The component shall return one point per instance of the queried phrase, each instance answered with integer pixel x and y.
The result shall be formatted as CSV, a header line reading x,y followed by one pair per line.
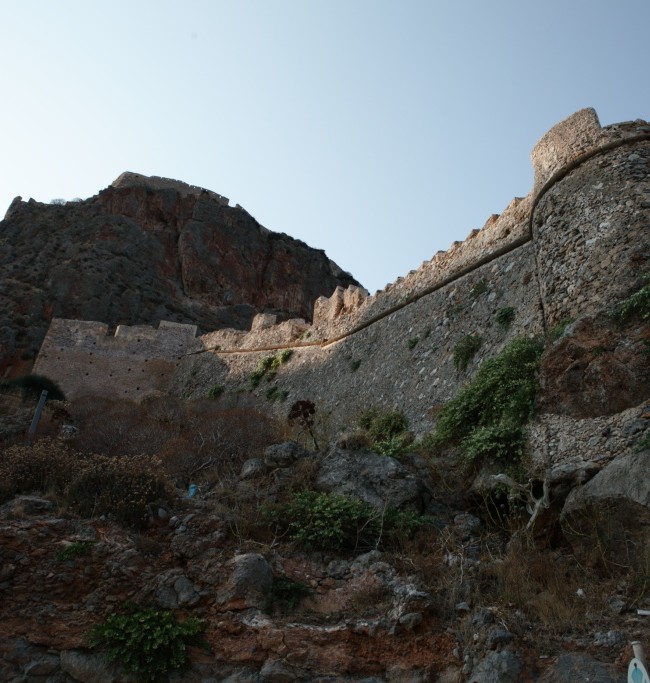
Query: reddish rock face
x,y
53,602
140,253
597,369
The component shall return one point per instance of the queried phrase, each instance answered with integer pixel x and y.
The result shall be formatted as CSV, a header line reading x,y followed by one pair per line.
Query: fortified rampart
x,y
135,361
577,242
129,179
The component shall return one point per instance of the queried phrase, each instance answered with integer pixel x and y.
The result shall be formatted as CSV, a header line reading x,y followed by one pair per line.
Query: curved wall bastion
x,y
578,242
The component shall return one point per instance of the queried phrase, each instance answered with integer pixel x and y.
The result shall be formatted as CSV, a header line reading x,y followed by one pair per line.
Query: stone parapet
x,y
129,179
84,359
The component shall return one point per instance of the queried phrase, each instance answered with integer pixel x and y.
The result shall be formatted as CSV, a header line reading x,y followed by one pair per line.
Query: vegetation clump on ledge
x,y
148,643
487,417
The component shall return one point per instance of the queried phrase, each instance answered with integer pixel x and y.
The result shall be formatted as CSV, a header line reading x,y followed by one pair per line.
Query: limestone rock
x,y
577,667
175,590
614,505
250,579
27,505
376,479
92,668
498,667
284,454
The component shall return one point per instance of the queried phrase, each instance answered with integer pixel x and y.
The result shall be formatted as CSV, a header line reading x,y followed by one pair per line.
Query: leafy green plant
x,y
412,343
285,356
495,443
486,418
355,365
505,316
74,550
274,393
268,367
455,310
479,288
635,306
327,521
388,431
558,330
216,391
465,350
285,594
148,643
643,444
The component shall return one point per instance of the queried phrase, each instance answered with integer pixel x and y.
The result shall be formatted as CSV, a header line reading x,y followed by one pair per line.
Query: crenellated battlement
x,y
129,179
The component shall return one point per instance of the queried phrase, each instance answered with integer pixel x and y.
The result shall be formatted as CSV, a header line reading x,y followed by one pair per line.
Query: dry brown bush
x,y
216,440
122,487
46,467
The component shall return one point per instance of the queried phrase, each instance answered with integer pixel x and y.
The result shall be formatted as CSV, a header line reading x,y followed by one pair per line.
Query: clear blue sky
x,y
380,131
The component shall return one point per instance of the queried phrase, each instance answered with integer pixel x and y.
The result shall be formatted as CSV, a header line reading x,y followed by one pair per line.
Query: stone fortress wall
x,y
134,361
578,241
129,179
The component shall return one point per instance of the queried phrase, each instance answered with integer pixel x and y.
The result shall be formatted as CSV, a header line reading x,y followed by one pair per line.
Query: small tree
x,y
303,413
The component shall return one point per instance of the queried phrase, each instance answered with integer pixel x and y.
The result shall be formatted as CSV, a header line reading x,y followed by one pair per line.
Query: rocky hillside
x,y
143,250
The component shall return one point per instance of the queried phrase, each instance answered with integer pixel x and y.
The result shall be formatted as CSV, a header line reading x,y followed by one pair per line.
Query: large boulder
x,y
578,667
498,667
378,480
251,577
613,508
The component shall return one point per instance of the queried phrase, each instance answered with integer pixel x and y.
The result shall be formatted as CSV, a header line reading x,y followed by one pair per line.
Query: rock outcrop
x,y
143,250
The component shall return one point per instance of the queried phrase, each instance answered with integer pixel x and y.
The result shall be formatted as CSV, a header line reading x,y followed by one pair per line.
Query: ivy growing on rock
x,y
487,417
465,350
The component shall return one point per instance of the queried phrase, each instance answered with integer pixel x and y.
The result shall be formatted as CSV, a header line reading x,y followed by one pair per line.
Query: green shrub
x,y
479,288
329,522
285,594
558,330
412,343
383,426
216,391
355,365
274,393
31,386
635,306
495,443
388,431
487,416
148,643
643,444
268,367
285,356
505,316
465,350
76,549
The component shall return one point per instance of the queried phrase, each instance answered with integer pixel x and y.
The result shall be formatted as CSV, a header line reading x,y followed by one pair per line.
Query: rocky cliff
x,y
147,249
476,506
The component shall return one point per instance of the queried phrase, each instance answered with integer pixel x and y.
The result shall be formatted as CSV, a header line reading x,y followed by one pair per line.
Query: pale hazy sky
x,y
380,131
